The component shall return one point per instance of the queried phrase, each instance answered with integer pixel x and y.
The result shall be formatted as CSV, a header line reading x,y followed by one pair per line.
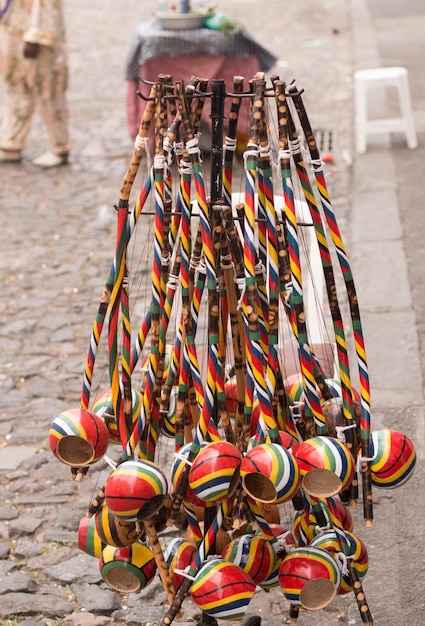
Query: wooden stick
x,y
155,546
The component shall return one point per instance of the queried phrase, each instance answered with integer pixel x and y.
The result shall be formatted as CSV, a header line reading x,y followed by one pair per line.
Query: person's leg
x,y
18,108
52,85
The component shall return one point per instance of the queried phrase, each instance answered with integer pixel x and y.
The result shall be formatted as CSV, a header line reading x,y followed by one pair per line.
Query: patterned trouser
x,y
36,82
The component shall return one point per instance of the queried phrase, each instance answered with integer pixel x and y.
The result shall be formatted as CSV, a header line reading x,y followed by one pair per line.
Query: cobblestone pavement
x,y
57,241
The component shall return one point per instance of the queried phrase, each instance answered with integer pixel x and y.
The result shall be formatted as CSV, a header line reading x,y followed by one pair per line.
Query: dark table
x,y
198,52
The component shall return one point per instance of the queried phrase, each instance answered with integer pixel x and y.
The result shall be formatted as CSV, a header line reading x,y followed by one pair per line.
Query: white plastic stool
x,y
382,77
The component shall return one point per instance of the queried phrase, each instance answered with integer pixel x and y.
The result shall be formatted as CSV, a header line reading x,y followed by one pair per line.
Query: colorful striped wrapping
x,y
168,425
270,473
88,537
113,530
304,535
178,555
326,453
254,554
309,577
78,437
103,403
178,465
136,489
393,458
214,474
128,569
294,388
356,551
222,590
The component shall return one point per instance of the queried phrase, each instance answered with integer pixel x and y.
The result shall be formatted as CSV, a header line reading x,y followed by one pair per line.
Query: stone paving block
x,y
11,457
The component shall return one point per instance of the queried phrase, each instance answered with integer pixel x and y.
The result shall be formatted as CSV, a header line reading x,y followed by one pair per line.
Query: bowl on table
x,y
180,21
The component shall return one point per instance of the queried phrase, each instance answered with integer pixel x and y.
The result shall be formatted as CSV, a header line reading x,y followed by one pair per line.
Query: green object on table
x,y
221,21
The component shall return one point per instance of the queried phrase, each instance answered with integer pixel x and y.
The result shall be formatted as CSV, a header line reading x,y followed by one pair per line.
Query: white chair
x,y
365,80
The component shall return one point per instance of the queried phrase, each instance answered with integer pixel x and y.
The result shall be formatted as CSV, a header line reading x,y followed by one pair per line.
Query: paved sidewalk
x,y
387,186
56,245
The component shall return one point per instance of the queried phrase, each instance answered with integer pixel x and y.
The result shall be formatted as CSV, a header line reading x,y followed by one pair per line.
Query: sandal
x,y
10,156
